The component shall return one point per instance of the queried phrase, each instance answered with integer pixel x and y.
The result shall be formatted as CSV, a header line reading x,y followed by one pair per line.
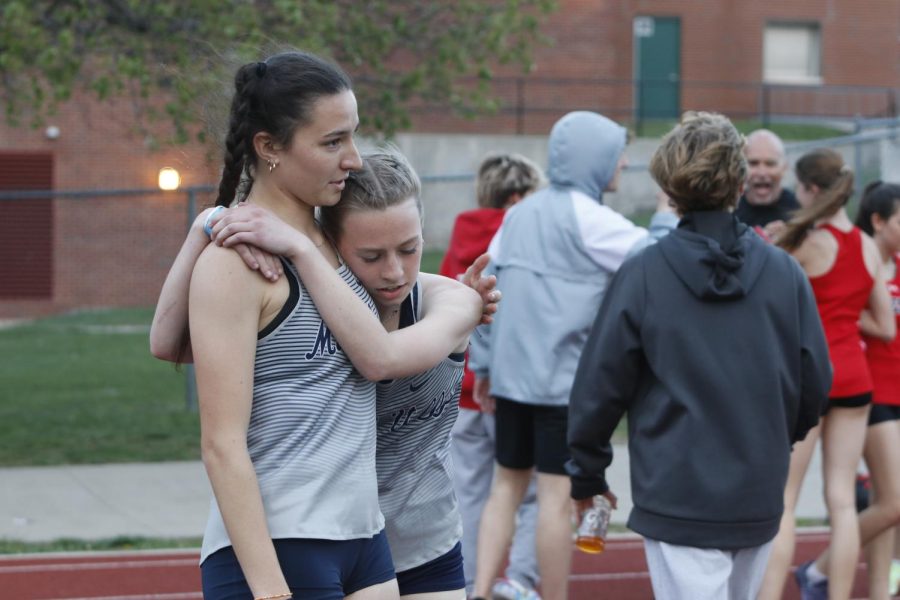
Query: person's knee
x,y
510,482
554,495
551,484
838,499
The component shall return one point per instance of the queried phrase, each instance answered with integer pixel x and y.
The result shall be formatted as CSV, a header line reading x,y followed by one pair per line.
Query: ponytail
x,y
825,169
879,198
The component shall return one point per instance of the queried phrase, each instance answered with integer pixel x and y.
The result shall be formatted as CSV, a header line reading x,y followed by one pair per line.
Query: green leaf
x,y
182,54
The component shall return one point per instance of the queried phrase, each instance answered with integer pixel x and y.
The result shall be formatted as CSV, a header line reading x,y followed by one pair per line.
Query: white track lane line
x,y
175,596
89,566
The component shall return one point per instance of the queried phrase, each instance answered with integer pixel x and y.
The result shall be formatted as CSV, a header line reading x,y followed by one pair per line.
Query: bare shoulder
x,y
222,269
871,254
817,253
221,260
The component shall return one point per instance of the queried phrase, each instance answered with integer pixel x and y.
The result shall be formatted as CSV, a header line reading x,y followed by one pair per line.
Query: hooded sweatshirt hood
x,y
718,242
584,150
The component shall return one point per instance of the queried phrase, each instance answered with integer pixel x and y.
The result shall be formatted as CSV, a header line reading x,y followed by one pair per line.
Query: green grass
x,y
83,388
807,522
119,543
788,131
431,260
642,217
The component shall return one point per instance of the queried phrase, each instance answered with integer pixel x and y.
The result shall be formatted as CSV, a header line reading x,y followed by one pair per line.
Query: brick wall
x,y
116,251
111,251
108,252
721,41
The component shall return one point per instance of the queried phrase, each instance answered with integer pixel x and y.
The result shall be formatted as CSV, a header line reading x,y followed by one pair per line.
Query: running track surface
x,y
620,573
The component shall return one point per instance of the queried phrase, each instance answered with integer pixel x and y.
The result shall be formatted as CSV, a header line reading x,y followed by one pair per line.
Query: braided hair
x,y
273,96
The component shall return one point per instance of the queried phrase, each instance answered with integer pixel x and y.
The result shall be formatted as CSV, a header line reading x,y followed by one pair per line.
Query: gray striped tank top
x,y
415,485
312,430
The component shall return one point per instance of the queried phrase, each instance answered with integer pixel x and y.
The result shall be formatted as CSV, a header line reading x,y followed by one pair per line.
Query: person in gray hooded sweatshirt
x,y
553,257
709,429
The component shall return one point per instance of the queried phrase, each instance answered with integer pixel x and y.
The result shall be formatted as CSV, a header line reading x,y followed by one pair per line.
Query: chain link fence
x,y
63,250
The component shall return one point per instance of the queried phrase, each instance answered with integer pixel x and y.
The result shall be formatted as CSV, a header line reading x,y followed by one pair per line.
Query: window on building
x,y
792,53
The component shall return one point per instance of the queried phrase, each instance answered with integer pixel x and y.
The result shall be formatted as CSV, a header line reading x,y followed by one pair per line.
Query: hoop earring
x,y
273,164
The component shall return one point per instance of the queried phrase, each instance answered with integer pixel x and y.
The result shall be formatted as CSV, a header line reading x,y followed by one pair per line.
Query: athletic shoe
x,y
510,589
894,582
809,590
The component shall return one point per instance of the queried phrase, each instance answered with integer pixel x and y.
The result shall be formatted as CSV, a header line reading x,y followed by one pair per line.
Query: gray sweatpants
x,y
472,449
688,573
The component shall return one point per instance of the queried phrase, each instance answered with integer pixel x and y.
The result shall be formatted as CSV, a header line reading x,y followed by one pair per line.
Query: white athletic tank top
x,y
415,485
312,430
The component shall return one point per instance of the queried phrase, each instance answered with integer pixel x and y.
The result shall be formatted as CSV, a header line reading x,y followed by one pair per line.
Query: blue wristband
x,y
207,225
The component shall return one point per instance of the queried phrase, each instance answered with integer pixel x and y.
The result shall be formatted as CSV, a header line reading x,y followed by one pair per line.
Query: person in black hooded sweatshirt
x,y
711,342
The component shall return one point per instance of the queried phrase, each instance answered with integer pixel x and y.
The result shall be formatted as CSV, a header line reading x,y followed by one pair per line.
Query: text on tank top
x,y
311,435
415,486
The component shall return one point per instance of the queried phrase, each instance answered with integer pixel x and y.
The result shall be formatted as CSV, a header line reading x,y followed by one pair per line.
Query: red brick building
x,y
692,55
630,59
89,251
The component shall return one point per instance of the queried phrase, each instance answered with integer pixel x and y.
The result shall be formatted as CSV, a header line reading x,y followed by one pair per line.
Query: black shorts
x,y
849,401
881,413
531,435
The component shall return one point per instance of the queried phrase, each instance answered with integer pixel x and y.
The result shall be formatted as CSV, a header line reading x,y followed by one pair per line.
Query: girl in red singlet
x,y
879,216
845,270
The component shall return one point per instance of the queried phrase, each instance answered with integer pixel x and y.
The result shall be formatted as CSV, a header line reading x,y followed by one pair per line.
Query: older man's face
x,y
767,166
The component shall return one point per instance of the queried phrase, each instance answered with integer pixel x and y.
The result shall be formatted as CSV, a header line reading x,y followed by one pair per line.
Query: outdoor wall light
x,y
169,179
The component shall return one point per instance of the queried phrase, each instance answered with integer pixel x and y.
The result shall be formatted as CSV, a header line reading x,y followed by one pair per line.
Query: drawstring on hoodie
x,y
723,283
712,238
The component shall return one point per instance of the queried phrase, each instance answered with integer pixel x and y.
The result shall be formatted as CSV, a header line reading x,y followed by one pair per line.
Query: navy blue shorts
x,y
314,569
443,574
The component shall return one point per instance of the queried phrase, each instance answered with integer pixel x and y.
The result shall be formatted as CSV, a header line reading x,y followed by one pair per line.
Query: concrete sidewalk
x,y
171,500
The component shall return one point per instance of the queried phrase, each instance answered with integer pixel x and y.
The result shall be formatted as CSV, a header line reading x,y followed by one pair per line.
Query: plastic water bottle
x,y
591,535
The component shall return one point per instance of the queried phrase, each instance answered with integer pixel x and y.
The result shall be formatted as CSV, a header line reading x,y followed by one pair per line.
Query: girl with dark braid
x,y
287,420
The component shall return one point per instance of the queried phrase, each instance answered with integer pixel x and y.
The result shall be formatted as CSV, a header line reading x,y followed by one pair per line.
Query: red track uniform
x,y
841,295
884,357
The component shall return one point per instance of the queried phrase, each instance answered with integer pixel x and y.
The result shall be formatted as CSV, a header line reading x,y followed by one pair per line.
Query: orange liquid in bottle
x,y
591,545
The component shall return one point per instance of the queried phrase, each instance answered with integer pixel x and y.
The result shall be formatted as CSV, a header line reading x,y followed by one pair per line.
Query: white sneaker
x,y
510,589
894,583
